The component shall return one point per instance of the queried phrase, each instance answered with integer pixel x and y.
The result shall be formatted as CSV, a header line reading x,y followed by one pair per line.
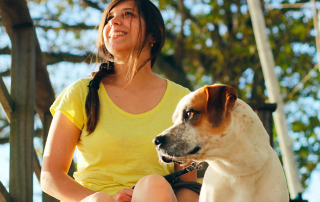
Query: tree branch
x,y
37,133
166,65
53,58
187,14
77,27
92,4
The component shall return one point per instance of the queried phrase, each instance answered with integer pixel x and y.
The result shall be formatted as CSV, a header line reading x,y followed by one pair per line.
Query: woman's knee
x,y
154,181
153,188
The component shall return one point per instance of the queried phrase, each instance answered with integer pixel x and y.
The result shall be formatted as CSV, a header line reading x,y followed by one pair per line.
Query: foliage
x,y
207,41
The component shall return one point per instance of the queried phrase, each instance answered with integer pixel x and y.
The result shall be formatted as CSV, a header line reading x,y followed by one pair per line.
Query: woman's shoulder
x,y
81,85
76,90
177,88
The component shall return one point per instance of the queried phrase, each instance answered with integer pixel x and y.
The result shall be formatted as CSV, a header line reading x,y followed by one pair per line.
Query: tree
x,y
207,41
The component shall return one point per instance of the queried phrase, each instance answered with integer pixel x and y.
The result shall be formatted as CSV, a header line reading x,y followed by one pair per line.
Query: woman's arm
x,y
62,140
184,194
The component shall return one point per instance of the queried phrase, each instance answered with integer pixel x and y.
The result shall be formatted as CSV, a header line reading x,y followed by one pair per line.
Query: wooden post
x,y
272,84
22,118
5,99
4,195
36,164
264,112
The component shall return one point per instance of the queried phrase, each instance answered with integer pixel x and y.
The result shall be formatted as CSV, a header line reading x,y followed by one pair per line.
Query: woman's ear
x,y
151,39
220,99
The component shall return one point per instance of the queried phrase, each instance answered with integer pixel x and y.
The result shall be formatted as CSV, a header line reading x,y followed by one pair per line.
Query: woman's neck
x,y
144,77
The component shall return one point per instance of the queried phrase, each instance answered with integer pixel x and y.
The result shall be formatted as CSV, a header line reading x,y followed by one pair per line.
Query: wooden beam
x,y
22,118
5,99
4,195
36,164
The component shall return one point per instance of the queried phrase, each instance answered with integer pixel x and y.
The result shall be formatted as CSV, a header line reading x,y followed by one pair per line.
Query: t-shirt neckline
x,y
144,114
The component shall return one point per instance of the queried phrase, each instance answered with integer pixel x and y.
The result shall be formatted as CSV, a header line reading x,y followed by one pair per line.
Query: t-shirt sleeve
x,y
71,102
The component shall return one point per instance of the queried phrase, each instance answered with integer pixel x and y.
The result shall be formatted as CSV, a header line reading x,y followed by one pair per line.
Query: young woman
x,y
113,117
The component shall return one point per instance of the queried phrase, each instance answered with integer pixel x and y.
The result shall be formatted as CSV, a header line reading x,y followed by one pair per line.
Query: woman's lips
x,y
117,34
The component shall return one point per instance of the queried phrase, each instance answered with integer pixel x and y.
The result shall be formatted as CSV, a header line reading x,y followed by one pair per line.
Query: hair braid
x,y
92,101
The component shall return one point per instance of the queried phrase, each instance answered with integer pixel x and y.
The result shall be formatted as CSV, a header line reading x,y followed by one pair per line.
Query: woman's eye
x,y
109,18
128,14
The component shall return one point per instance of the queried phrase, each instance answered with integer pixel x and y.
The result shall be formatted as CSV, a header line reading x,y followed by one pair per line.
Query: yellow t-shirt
x,y
120,150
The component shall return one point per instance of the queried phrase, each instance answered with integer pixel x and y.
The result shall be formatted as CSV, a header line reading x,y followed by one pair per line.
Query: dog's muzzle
x,y
159,142
168,153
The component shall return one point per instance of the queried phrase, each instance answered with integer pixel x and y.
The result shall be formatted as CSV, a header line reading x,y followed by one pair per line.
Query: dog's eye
x,y
190,114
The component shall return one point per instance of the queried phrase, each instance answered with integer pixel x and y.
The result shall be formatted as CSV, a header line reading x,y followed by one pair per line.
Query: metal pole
x,y
272,84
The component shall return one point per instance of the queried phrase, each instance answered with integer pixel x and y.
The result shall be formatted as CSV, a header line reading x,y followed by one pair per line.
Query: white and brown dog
x,y
212,125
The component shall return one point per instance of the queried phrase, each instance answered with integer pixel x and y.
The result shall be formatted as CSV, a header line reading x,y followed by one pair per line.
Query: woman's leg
x,y
153,188
186,195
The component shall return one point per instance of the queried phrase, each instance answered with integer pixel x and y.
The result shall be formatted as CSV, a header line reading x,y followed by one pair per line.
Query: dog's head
x,y
201,121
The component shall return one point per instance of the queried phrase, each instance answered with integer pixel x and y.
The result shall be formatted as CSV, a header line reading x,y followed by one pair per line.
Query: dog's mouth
x,y
171,159
195,150
179,159
167,159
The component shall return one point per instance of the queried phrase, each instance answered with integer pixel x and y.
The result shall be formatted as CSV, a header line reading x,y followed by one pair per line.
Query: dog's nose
x,y
159,140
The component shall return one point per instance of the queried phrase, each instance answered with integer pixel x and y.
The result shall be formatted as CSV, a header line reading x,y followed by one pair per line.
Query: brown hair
x,y
154,26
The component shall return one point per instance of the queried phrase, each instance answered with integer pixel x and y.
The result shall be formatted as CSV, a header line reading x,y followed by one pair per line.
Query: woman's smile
x,y
117,33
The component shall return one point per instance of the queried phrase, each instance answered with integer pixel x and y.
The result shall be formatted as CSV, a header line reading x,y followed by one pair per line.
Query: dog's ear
x,y
220,99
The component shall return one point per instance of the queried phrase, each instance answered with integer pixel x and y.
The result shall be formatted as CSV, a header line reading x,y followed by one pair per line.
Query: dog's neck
x,y
247,153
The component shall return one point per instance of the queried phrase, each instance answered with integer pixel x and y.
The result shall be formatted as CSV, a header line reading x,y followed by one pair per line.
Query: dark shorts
x,y
178,184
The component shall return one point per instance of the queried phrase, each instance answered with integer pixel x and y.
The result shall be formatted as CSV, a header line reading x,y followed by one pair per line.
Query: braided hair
x,y
92,101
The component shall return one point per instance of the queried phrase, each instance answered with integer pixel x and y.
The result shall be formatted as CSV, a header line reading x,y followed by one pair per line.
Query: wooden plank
x,y
22,118
36,165
4,195
5,99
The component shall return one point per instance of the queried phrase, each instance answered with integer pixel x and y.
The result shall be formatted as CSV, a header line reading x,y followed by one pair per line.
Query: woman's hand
x,y
124,195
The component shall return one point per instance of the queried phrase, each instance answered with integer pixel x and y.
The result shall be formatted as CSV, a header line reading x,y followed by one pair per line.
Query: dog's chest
x,y
217,187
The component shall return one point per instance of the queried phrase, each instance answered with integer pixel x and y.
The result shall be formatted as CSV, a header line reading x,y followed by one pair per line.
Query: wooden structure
x,y
31,91
19,109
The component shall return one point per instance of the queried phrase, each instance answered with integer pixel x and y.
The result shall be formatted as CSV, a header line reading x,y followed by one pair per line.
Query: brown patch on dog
x,y
214,104
222,135
220,99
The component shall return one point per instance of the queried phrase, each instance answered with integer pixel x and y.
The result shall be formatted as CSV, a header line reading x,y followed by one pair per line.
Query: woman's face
x,y
121,33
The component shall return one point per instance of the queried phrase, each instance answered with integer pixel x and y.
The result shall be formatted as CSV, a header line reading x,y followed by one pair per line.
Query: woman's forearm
x,y
63,187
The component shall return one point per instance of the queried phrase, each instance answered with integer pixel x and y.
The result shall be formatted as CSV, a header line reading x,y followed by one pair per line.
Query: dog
x,y
211,124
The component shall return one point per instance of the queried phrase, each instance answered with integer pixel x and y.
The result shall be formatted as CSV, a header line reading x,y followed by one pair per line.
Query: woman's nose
x,y
115,21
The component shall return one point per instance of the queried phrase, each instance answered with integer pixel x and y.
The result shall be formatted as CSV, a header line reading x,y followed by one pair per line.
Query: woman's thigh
x,y
153,188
